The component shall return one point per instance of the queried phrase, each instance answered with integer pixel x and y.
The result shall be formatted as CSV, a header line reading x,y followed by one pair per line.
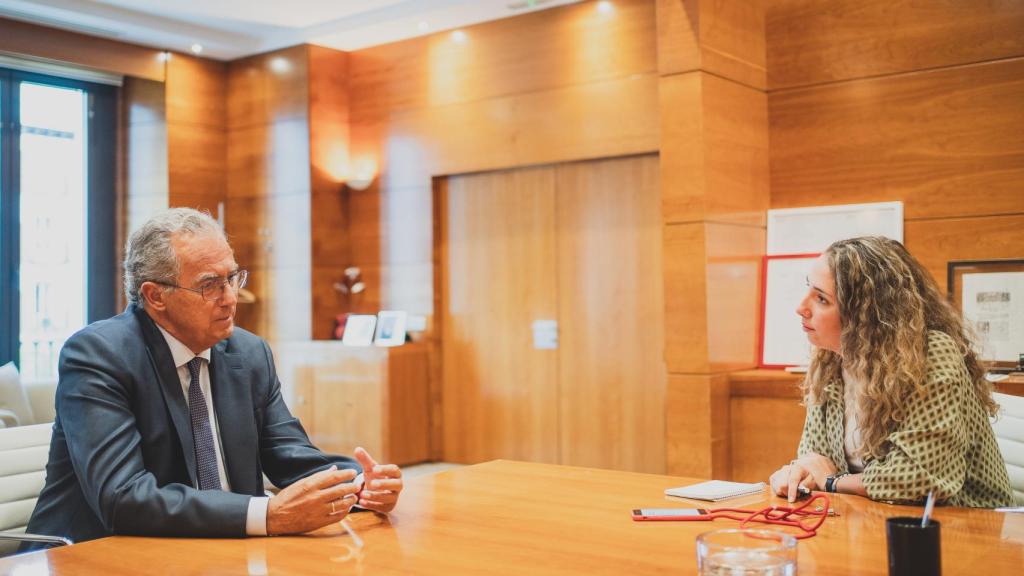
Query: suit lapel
x,y
232,400
170,386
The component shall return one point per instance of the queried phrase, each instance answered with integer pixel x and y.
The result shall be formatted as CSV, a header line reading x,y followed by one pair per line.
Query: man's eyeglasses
x,y
213,289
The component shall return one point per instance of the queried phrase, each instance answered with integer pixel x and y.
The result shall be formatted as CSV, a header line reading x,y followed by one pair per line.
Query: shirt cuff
x,y
256,518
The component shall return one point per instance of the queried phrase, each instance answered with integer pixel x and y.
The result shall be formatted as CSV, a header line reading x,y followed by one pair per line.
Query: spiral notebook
x,y
715,490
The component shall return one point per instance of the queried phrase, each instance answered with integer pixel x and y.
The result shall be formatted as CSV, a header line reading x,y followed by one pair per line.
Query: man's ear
x,y
153,296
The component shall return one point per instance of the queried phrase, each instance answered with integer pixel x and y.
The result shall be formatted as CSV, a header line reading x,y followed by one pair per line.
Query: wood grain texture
x,y
697,425
196,92
577,122
144,149
811,42
329,165
407,405
500,393
611,368
940,141
269,190
686,320
370,397
269,87
714,146
89,51
724,38
196,165
683,165
935,242
535,52
733,278
575,521
764,435
760,383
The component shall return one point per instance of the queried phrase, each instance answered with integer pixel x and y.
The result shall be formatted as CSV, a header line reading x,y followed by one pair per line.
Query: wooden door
x,y
579,244
500,394
611,363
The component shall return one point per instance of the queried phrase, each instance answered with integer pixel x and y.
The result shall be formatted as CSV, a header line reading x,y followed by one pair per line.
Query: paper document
x,y
714,490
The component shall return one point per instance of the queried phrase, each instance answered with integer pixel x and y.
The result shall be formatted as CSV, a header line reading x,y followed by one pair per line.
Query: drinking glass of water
x,y
746,553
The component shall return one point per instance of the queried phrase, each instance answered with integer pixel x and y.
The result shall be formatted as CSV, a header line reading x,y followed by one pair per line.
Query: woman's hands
x,y
809,471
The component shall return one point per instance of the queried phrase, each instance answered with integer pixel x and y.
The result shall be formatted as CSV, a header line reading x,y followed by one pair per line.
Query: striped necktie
x,y
202,436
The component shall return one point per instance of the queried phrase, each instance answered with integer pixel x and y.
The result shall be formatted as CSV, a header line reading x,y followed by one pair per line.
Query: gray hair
x,y
149,255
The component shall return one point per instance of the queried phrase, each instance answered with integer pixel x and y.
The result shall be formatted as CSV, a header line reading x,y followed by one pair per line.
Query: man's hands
x,y
328,495
312,502
809,471
383,483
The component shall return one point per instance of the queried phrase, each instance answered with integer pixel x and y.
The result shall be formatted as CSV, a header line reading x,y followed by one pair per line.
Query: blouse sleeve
x,y
928,450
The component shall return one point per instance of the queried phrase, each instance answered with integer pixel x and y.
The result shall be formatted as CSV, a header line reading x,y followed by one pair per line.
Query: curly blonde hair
x,y
887,304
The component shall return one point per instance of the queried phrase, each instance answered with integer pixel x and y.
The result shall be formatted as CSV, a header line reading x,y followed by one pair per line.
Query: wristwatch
x,y
830,482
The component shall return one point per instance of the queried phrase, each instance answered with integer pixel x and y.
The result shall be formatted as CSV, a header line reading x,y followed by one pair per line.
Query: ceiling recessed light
x,y
196,48
604,7
459,36
163,56
423,26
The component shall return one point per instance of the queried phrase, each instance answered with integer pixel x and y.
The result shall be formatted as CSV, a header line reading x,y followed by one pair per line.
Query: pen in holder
x,y
914,544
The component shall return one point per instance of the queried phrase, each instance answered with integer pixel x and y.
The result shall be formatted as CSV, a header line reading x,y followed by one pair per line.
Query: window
x,y
57,165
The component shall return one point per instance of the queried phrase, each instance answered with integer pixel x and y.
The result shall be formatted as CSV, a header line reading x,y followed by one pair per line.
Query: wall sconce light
x,y
362,174
352,282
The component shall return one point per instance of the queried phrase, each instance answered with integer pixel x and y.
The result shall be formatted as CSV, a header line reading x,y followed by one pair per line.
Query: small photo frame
x,y
390,328
990,295
359,330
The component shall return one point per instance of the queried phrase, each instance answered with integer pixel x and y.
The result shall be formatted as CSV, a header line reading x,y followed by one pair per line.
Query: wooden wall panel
x,y
535,52
269,193
683,172
723,38
196,91
764,435
611,367
733,277
735,122
144,126
813,42
697,426
686,313
936,242
714,146
946,142
577,122
499,276
79,49
712,318
569,84
329,164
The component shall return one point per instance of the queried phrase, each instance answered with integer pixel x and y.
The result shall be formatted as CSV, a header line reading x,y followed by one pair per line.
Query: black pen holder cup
x,y
913,550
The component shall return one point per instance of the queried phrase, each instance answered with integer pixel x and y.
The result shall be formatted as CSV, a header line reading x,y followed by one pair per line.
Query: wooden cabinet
x,y
345,397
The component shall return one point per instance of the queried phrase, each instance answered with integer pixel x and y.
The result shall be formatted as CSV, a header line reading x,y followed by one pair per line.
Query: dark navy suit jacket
x,y
122,459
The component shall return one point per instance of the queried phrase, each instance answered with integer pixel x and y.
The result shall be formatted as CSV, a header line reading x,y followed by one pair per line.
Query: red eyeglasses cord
x,y
780,515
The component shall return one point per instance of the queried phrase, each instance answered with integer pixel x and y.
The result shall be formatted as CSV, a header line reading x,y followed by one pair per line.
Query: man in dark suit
x,y
168,415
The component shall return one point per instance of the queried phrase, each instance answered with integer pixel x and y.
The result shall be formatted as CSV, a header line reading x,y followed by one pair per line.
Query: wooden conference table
x,y
517,518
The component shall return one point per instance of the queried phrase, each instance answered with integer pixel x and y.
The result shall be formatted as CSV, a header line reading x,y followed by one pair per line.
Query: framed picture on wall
x,y
990,294
784,284
390,328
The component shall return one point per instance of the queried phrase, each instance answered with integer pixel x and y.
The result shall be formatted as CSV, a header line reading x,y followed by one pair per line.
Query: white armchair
x,y
1009,430
23,454
24,402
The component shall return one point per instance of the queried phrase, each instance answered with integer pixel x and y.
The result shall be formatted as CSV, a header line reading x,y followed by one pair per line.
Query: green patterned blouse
x,y
946,442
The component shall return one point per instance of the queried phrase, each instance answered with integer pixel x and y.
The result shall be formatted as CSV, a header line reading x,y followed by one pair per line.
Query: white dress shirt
x,y
256,519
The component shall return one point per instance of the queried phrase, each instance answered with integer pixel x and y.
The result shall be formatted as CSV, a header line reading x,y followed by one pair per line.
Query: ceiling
x,y
229,29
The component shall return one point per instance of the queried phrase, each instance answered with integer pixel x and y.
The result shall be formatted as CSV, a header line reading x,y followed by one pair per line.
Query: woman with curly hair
x,y
897,405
